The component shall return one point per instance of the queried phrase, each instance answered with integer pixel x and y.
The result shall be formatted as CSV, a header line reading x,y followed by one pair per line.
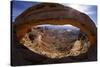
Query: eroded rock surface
x,y
56,41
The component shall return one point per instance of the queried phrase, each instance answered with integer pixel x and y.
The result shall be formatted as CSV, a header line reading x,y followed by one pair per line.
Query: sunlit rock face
x,y
56,41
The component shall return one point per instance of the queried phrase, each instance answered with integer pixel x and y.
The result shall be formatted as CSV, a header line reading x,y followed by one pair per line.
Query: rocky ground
x,y
21,55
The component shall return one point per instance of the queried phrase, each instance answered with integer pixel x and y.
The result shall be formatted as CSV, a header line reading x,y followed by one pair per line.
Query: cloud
x,y
81,8
90,10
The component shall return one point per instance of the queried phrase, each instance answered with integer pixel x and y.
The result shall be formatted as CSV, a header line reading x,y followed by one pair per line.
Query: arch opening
x,y
56,41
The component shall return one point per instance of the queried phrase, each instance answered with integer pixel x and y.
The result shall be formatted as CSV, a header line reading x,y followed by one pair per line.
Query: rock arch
x,y
53,13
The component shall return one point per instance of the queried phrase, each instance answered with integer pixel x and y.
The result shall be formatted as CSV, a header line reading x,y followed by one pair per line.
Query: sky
x,y
19,6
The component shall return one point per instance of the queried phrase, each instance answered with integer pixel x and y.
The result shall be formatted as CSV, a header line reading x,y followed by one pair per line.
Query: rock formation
x,y
56,14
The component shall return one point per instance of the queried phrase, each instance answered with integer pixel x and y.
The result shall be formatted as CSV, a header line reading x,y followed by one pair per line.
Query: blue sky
x,y
19,6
